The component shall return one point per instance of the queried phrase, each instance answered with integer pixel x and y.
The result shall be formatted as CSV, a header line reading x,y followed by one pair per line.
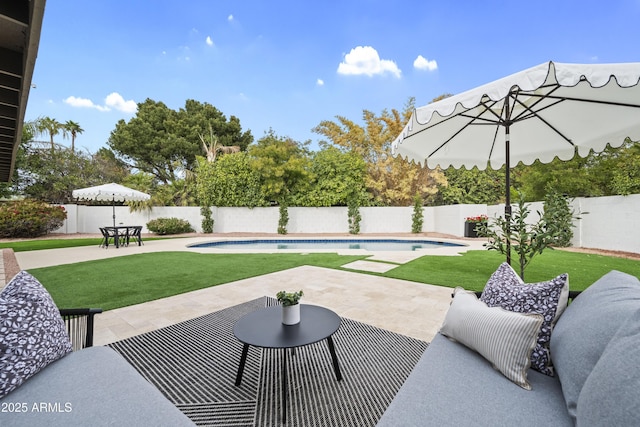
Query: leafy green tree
x,y
573,177
613,171
52,175
109,168
335,175
619,168
198,118
390,180
165,143
148,142
626,177
472,186
230,181
283,166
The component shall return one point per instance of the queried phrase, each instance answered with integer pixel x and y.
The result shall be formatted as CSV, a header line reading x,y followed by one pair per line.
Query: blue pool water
x,y
306,244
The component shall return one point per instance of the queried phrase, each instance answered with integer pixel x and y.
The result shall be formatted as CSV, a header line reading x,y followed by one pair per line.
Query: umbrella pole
x,y
507,205
113,204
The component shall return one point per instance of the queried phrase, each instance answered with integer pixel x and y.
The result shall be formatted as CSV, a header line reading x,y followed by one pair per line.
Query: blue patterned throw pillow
x,y
32,332
505,289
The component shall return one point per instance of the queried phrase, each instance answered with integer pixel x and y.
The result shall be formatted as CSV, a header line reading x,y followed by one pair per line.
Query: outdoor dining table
x,y
123,234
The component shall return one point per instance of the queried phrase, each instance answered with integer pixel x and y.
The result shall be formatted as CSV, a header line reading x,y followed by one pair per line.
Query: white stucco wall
x,y
607,222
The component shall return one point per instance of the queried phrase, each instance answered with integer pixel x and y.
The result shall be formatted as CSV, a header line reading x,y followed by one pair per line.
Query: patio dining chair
x,y
106,237
135,234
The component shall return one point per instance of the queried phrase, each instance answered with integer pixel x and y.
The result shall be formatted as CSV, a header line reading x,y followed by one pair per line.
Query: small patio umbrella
x,y
110,192
551,110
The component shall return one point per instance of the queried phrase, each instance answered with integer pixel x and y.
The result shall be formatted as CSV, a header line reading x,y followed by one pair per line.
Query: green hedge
x,y
164,226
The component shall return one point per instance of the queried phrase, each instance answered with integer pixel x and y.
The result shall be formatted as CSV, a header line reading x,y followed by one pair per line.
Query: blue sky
x,y
288,65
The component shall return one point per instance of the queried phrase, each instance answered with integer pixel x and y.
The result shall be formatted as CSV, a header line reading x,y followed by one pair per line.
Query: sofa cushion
x,y
505,289
611,393
32,332
586,328
91,387
452,385
502,337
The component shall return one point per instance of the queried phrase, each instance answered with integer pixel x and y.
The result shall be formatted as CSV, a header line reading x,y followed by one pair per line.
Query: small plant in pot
x,y
290,306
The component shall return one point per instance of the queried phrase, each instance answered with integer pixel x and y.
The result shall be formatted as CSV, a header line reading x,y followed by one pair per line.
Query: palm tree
x,y
50,126
73,129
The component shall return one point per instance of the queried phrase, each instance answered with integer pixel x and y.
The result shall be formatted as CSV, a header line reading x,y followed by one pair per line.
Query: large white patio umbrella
x,y
110,193
551,110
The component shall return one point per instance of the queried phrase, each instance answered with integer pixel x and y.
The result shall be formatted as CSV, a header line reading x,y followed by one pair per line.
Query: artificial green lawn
x,y
127,280
472,269
121,281
36,245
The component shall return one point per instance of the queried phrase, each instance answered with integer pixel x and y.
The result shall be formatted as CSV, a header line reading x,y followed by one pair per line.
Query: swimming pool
x,y
308,244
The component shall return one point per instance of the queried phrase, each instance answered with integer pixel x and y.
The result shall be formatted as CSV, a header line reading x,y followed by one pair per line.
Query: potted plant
x,y
471,223
290,306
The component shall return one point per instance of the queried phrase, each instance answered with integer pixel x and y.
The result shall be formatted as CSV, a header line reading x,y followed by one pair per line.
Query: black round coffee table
x,y
264,328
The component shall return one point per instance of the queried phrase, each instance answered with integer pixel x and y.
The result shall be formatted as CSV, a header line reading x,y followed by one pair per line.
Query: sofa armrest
x,y
79,323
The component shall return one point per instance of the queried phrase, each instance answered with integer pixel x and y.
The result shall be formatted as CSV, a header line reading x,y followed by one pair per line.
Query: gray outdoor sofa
x,y
44,383
595,351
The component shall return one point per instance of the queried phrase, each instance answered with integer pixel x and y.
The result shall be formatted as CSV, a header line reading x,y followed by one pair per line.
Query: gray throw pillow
x,y
505,289
32,332
502,337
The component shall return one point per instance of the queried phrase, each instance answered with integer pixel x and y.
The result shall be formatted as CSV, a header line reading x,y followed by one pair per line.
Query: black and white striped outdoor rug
x,y
194,364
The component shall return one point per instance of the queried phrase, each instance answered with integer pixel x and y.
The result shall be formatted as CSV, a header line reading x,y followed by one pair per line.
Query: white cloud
x,y
319,82
209,41
422,63
79,102
84,103
365,60
112,101
116,101
230,18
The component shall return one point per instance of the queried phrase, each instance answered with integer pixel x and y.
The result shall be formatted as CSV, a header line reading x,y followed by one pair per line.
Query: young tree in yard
x,y
527,240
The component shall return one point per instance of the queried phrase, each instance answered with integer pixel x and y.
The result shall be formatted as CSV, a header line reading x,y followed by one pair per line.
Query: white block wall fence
x,y
610,223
